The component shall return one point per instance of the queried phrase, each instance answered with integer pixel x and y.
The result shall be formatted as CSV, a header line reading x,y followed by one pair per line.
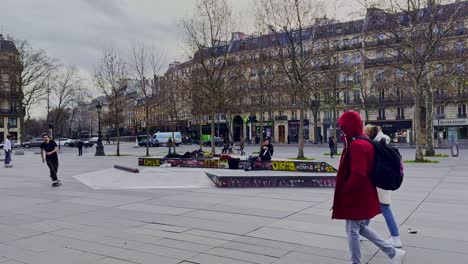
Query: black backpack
x,y
388,166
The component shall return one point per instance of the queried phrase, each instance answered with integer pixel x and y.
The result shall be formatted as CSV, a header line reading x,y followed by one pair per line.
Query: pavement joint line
x,y
418,206
113,246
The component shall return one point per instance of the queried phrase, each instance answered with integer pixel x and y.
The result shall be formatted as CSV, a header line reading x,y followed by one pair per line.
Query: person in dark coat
x,y
355,199
331,145
267,151
79,145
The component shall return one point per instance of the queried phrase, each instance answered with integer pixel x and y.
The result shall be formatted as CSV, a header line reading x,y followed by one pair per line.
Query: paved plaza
x,y
203,224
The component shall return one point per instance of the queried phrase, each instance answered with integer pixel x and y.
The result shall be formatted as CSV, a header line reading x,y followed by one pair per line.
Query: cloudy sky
x,y
78,31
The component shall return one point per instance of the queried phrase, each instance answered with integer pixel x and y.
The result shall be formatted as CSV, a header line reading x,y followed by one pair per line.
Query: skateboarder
x,y
49,155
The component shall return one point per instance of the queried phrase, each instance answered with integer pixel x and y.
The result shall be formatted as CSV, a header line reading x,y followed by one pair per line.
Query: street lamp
x,y
99,146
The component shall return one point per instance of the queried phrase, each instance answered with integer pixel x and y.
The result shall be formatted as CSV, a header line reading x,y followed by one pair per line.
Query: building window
x,y
293,115
382,95
380,56
336,59
460,30
336,44
345,77
357,97
399,93
440,110
357,77
346,59
346,42
399,73
346,97
462,111
460,88
12,122
380,37
459,47
381,114
439,69
380,75
400,113
354,41
357,59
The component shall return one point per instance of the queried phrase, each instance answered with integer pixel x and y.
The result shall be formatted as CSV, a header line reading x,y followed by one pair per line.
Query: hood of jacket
x,y
350,124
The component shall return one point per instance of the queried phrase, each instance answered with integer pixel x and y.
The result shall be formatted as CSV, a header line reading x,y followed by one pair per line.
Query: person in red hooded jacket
x,y
355,198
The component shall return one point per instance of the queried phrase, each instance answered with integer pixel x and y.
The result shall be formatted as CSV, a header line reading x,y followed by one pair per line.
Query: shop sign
x,y
297,122
451,122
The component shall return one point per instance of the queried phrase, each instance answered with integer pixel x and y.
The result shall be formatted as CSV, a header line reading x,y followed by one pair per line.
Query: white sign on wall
x,y
451,122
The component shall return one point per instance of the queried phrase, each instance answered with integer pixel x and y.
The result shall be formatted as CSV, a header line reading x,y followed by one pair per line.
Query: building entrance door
x,y
281,134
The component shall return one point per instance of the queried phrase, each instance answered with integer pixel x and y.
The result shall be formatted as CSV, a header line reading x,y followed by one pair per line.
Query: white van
x,y
163,137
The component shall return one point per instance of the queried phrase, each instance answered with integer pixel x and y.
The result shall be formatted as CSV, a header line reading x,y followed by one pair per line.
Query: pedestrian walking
x,y
79,145
321,139
355,199
49,155
331,145
241,146
385,196
8,148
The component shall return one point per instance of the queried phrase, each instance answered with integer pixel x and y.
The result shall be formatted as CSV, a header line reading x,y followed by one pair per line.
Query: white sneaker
x,y
399,256
395,242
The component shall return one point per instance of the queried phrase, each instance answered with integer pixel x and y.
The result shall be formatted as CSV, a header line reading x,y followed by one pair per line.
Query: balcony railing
x,y
8,112
282,117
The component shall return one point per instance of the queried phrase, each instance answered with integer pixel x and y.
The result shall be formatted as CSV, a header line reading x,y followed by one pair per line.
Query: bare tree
x,y
146,63
66,92
291,21
34,67
261,79
110,76
208,35
413,31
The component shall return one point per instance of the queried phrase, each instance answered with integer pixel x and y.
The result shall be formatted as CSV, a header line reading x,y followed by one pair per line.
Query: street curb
x,y
128,169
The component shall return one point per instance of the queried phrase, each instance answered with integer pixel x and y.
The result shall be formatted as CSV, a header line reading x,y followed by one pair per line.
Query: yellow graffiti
x,y
330,169
151,162
283,165
211,163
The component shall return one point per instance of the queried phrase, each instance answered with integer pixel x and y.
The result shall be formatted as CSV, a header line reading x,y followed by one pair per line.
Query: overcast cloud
x,y
78,31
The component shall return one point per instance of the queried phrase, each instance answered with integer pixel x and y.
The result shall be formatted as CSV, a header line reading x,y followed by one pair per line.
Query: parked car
x,y
218,142
152,142
35,142
94,140
86,144
65,142
14,143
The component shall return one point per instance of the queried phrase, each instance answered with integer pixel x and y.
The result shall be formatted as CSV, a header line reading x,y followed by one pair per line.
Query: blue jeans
x,y
7,157
354,228
389,219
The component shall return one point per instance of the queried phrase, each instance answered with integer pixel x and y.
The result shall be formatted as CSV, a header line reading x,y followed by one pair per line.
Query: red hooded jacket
x,y
355,196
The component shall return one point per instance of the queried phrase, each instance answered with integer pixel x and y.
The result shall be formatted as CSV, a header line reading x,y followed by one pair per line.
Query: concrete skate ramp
x,y
148,178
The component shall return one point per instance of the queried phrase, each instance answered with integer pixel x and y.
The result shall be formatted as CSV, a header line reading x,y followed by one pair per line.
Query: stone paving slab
x,y
205,225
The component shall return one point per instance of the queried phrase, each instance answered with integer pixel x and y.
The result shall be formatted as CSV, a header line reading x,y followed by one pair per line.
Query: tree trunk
x,y
201,135
300,152
316,135
430,150
417,122
213,147
117,130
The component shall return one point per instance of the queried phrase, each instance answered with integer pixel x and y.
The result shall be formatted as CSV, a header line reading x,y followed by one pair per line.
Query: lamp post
x,y
99,146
